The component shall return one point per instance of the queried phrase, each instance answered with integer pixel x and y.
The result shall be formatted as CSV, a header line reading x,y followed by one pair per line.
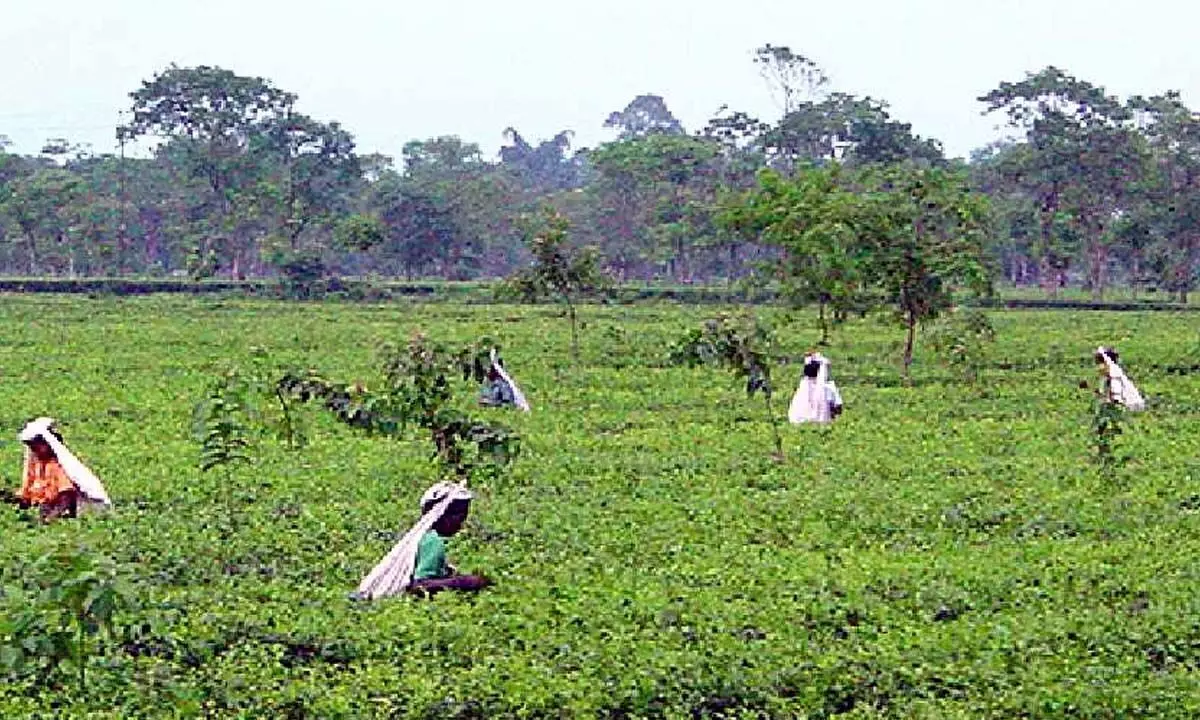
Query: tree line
x,y
1095,190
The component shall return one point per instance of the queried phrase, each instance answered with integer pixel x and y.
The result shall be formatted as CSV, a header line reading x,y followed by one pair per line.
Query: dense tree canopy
x,y
1094,190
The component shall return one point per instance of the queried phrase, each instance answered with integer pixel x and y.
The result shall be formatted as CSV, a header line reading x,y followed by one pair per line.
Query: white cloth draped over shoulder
x,y
1121,389
815,398
89,486
518,396
394,574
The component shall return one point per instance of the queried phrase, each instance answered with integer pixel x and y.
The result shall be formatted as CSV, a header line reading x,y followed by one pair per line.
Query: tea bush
x,y
938,553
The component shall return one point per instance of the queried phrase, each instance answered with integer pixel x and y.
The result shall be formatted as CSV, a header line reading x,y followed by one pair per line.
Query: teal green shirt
x,y
431,558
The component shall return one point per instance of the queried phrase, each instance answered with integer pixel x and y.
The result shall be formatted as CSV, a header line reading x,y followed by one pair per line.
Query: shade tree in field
x,y
417,389
816,223
924,231
743,344
557,271
900,235
962,339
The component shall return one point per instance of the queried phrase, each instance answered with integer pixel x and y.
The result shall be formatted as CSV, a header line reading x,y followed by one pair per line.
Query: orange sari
x,y
44,481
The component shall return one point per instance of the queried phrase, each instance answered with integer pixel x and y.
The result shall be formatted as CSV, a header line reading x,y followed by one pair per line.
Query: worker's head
x,y
453,513
812,368
452,520
40,448
1106,351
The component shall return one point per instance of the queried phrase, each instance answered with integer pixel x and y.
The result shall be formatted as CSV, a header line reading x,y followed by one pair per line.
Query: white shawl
x,y
813,397
518,396
394,574
1120,388
88,484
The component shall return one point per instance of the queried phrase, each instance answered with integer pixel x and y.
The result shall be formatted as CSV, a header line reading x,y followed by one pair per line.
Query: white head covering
x,y
394,574
88,484
1121,389
518,396
811,401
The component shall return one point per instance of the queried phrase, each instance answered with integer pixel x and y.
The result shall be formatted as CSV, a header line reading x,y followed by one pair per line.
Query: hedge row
x,y
345,289
482,292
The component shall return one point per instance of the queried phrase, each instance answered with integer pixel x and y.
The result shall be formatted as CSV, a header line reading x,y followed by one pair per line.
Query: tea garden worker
x,y
500,390
417,564
817,399
1118,388
53,478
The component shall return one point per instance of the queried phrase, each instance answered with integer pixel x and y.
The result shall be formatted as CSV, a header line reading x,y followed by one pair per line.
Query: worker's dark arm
x,y
468,583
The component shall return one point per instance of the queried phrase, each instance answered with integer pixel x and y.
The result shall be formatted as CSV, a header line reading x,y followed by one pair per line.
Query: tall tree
x,y
310,174
792,78
45,206
644,115
818,224
1169,214
852,129
543,168
925,233
557,271
1083,157
212,120
657,197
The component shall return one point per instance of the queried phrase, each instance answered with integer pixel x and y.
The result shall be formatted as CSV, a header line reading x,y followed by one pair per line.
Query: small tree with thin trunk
x,y
925,232
558,270
813,218
417,390
742,345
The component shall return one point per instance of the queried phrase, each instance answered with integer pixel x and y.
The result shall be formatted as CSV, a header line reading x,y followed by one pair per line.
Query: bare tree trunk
x,y
32,254
1184,273
908,342
1098,270
1050,279
824,323
776,436
574,332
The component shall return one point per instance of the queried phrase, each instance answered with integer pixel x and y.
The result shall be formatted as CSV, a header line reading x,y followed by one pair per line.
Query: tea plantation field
x,y
944,551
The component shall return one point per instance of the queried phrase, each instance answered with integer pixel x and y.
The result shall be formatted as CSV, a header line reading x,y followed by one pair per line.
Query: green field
x,y
943,551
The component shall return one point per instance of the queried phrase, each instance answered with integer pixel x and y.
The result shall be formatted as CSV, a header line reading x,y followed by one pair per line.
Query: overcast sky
x,y
395,70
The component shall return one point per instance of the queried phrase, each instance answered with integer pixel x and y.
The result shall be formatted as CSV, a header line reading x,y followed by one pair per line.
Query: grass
x,y
943,551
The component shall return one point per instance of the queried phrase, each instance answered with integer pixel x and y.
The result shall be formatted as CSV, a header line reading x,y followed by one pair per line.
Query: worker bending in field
x,y
54,479
417,564
500,390
817,399
1117,387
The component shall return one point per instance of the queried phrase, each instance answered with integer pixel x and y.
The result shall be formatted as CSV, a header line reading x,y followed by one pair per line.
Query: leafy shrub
x,y
416,390
303,275
54,611
741,344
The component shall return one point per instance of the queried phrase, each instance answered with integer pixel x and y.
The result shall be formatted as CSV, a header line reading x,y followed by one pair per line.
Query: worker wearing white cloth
x,y
500,389
1118,387
417,564
53,478
817,399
